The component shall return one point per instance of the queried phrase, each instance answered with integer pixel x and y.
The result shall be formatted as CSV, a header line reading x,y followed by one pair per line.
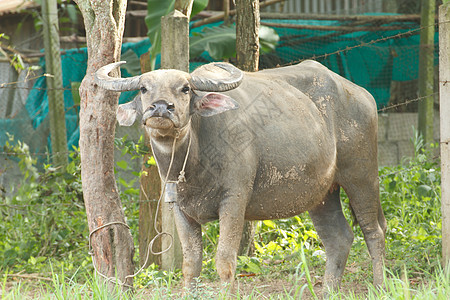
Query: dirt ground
x,y
262,287
275,285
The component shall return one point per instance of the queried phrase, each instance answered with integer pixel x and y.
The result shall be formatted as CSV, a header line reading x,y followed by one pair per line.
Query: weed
x,y
44,222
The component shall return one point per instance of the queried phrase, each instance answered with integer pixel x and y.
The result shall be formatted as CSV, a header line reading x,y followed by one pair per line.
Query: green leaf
x,y
269,223
253,267
249,264
131,191
41,259
151,161
75,86
32,260
392,185
219,42
423,190
198,6
421,235
122,164
123,182
155,10
272,246
393,223
133,65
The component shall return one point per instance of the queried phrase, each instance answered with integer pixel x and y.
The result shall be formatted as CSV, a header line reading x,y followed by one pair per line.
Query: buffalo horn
x,y
115,84
219,85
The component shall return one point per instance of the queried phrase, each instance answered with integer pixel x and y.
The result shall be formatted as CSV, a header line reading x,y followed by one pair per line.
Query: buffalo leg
x,y
231,222
190,233
364,200
336,235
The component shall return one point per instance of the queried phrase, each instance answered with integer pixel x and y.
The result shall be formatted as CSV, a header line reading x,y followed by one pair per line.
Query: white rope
x,y
181,178
91,253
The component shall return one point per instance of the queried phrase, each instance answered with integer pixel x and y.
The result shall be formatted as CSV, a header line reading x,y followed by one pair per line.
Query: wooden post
x,y
247,54
390,6
426,71
55,94
444,96
150,192
226,11
111,240
247,34
174,55
11,92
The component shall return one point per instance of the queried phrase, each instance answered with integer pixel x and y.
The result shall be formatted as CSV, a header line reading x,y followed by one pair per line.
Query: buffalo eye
x,y
143,90
185,89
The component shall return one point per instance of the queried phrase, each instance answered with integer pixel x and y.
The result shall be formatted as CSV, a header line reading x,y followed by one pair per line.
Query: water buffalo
x,y
263,145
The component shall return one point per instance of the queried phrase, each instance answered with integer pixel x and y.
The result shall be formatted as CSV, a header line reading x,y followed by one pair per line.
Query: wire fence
x,y
132,201
407,168
366,44
312,42
383,109
410,32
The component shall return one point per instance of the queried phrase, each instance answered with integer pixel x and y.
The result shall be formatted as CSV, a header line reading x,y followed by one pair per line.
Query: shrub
x,y
45,216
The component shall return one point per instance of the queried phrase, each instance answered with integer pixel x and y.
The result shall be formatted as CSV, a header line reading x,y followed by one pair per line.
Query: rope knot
x,y
181,177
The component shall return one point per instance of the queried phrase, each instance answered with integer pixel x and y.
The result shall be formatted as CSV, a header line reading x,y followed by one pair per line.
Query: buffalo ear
x,y
128,112
212,104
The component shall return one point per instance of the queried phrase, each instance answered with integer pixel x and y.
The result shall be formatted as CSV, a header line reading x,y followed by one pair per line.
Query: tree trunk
x,y
112,246
247,53
55,94
426,71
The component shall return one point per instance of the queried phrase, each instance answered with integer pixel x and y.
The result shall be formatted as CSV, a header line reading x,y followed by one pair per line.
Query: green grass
x,y
437,286
44,232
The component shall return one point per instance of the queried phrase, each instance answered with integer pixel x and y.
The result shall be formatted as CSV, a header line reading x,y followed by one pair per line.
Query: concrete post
x,y
54,83
174,55
426,70
444,96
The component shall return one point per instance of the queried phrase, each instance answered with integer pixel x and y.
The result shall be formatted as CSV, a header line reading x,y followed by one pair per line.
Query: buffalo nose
x,y
161,108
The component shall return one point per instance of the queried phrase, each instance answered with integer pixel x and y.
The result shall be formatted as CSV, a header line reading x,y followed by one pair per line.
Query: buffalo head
x,y
168,98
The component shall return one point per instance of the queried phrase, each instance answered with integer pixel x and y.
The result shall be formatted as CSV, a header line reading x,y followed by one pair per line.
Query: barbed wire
x,y
23,206
6,153
411,167
49,154
314,57
433,159
9,85
6,85
34,88
365,44
406,102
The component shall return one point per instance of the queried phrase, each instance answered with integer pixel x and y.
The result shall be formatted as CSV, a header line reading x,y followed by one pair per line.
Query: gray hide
x,y
281,143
